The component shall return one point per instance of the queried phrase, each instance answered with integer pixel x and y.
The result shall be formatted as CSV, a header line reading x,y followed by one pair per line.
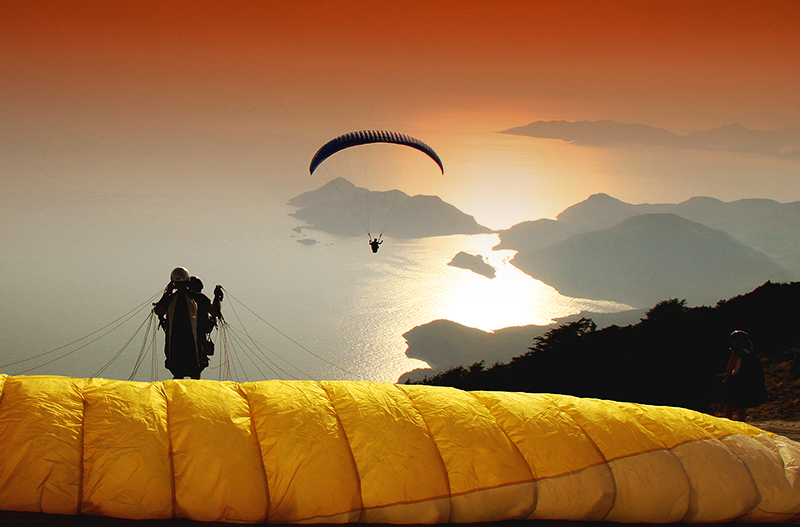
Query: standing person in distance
x,y
744,378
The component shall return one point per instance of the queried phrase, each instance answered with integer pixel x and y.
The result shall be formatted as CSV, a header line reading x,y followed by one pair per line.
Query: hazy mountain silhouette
x,y
530,235
601,211
324,209
780,142
648,258
765,225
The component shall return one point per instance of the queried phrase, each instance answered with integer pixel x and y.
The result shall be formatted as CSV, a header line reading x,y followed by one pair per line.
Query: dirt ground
x,y
789,429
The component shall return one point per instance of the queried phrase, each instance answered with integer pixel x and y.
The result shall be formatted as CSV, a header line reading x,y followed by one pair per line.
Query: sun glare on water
x,y
510,298
414,285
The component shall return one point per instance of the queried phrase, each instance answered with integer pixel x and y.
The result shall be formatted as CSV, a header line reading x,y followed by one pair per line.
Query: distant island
x,y
780,142
474,263
701,250
324,209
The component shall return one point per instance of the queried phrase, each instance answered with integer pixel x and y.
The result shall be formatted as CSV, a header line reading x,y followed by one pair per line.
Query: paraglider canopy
x,y
369,164
364,137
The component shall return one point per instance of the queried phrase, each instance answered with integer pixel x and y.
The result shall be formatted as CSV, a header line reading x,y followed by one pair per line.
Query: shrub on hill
x,y
675,355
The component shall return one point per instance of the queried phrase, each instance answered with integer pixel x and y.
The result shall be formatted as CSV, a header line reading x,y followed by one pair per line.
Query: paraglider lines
x,y
365,174
232,366
394,215
237,339
149,338
263,358
154,362
259,347
290,339
224,357
127,316
149,322
358,202
364,223
231,338
229,357
360,207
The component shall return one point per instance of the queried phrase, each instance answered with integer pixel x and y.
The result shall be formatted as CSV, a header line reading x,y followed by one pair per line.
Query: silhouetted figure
x,y
375,243
214,314
744,378
187,317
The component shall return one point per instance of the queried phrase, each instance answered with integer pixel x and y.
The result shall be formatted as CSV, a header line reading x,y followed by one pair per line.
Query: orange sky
x,y
667,63
240,86
137,135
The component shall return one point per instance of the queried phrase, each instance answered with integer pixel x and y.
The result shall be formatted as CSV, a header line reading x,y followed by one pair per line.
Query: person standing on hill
x,y
744,378
187,317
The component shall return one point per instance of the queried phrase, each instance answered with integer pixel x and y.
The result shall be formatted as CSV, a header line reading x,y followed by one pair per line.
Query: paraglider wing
x,y
340,451
364,137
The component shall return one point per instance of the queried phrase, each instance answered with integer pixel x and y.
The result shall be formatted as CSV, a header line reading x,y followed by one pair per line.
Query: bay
x,y
300,304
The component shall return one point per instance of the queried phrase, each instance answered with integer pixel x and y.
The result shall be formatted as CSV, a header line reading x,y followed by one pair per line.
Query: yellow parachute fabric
x,y
337,452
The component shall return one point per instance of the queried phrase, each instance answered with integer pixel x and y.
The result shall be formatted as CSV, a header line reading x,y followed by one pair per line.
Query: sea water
x,y
80,250
300,304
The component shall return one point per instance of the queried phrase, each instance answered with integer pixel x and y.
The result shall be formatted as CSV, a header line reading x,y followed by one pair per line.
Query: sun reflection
x,y
511,298
361,304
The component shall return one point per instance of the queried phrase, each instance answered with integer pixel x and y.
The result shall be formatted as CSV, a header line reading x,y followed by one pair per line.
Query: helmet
x,y
739,335
179,274
195,284
740,339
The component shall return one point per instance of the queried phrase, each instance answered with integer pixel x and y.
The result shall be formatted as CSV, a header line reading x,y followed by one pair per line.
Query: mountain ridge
x,y
650,257
765,225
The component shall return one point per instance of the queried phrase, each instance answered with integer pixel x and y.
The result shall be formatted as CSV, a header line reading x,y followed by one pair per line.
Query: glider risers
x,y
334,452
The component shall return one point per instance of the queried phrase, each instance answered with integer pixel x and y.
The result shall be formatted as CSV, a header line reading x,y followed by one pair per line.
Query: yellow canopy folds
x,y
337,452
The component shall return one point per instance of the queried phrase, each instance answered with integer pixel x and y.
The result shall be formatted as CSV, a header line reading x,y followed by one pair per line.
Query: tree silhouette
x,y
674,356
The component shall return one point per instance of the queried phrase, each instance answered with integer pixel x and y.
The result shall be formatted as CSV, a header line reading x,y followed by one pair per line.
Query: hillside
x,y
675,355
650,257
532,235
341,208
444,344
762,224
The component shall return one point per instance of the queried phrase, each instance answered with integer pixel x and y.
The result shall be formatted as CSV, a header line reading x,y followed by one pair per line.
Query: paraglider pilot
x,y
187,317
375,243
744,377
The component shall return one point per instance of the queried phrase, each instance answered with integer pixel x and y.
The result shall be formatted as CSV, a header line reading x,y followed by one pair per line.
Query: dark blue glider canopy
x,y
364,137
